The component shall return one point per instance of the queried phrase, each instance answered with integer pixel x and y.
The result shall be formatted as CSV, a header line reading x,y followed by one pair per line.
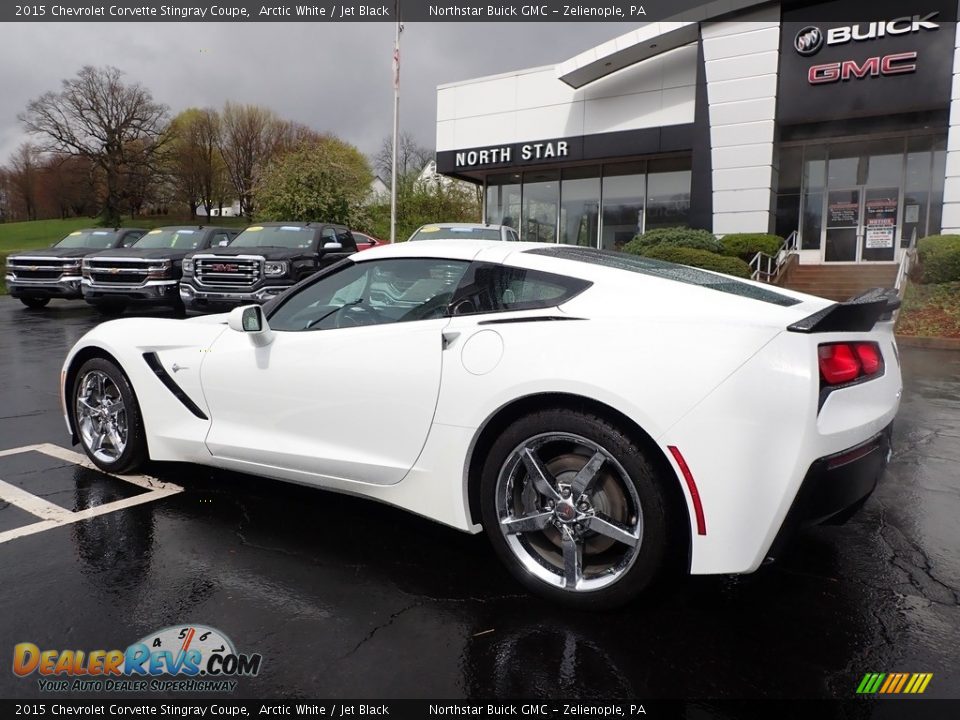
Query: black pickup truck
x,y
147,273
261,262
38,276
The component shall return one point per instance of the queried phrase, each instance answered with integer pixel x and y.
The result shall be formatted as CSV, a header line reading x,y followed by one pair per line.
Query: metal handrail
x,y
768,267
906,259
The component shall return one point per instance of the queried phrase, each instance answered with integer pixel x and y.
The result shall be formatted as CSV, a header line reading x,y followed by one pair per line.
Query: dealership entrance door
x,y
861,224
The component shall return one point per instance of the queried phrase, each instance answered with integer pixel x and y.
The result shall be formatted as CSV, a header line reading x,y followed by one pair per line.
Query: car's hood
x,y
270,253
66,253
145,253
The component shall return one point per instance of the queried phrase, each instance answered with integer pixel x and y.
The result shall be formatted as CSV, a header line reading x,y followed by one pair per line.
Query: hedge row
x,y
698,258
939,258
700,248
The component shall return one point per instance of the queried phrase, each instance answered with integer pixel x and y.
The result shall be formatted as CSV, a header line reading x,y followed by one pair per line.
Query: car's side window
x,y
373,293
130,238
489,288
328,234
220,239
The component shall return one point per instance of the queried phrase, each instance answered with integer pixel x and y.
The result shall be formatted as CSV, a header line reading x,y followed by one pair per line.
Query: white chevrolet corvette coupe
x,y
603,417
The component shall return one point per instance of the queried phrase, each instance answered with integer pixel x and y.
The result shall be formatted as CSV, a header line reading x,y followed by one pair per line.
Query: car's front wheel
x,y
574,509
35,303
107,417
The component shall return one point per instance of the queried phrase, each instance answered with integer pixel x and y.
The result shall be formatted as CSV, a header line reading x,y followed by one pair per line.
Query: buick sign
x,y
808,41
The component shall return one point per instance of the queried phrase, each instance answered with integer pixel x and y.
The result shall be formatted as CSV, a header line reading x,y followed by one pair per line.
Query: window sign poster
x,y
843,214
881,237
911,214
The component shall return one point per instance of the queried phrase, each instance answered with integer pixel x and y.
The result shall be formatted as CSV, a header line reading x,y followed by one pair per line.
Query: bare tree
x,y
96,116
25,176
249,136
411,157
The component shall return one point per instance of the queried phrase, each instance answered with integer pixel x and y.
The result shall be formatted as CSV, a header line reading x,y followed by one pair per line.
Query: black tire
x,y
134,454
111,308
179,309
35,303
649,555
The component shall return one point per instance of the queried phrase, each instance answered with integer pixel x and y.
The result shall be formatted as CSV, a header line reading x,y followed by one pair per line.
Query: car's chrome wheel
x,y
105,416
101,416
569,511
578,508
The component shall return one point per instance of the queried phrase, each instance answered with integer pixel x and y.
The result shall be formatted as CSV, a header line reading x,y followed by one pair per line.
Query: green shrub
x,y
698,258
746,245
939,258
674,237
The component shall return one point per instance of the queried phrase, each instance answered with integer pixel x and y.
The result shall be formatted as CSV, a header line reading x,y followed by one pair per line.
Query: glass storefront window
x,y
541,195
814,167
668,193
624,190
580,206
936,188
503,200
812,221
790,170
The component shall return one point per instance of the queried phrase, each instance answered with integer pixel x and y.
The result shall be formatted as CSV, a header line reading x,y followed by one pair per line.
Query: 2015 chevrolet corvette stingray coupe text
x,y
603,417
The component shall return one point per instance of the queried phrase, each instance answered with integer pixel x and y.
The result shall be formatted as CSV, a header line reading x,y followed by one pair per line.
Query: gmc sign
x,y
895,64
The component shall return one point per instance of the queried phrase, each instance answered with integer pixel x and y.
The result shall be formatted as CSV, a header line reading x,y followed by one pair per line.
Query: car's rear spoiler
x,y
858,314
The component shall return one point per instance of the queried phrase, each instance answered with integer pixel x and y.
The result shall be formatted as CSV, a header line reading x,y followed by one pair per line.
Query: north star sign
x,y
545,150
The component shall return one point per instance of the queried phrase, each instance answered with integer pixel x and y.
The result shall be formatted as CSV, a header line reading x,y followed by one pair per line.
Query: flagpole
x,y
396,124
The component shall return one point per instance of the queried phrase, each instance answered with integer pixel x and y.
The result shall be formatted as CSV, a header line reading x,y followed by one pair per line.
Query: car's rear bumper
x,y
66,288
835,487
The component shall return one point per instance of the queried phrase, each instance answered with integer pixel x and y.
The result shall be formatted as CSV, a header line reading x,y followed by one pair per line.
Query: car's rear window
x,y
667,271
439,232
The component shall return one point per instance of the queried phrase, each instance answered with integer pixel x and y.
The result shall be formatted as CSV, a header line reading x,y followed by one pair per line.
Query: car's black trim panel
x,y
835,487
154,363
533,318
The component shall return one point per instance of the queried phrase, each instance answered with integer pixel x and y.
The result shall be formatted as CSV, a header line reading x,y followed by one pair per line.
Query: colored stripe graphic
x,y
894,683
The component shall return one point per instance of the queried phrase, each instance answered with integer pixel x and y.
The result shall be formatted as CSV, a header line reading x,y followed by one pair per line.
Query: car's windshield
x,y
99,239
178,239
285,236
441,232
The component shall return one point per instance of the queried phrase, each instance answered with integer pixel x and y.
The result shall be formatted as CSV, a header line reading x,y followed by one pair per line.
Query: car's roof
x,y
479,226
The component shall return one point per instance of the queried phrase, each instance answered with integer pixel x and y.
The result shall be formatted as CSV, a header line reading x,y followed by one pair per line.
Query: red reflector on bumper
x,y
692,487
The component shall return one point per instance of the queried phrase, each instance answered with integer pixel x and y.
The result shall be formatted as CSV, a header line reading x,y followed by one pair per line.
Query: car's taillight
x,y
842,363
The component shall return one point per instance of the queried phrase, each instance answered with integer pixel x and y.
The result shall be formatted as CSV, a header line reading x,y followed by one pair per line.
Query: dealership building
x,y
838,121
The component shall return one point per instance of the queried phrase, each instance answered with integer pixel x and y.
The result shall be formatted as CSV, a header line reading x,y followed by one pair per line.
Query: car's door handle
x,y
448,336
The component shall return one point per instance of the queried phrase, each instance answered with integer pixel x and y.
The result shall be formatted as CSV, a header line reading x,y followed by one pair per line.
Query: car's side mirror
x,y
331,245
251,320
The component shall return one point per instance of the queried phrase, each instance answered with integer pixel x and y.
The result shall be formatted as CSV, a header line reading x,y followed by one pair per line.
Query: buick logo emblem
x,y
808,41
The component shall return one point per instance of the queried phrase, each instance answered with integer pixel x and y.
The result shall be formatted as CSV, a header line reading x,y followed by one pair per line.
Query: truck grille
x,y
228,271
36,269
107,272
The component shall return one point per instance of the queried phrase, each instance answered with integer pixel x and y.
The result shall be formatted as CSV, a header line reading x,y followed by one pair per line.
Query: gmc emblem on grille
x,y
224,267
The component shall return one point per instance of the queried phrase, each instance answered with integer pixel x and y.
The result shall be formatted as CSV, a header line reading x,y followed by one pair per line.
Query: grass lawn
x,y
931,311
43,233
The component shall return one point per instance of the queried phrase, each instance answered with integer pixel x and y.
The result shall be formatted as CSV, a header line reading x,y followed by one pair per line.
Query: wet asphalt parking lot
x,y
346,598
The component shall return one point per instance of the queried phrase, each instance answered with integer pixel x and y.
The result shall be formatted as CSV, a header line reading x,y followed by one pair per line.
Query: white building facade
x,y
839,121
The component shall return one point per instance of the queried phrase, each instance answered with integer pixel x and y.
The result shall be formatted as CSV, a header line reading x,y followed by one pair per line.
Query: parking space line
x,y
53,516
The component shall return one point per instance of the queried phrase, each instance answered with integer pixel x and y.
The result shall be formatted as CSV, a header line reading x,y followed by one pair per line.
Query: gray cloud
x,y
334,78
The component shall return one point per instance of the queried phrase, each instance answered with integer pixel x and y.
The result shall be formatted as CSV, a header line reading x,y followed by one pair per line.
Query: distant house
x,y
231,210
378,189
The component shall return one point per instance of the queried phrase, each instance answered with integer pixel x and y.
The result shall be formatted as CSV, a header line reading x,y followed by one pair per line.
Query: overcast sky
x,y
333,78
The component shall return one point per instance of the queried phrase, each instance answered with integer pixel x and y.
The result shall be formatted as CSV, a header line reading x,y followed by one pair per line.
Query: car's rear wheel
x,y
107,417
35,303
574,509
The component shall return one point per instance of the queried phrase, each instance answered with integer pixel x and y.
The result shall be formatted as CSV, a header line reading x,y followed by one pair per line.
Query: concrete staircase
x,y
837,282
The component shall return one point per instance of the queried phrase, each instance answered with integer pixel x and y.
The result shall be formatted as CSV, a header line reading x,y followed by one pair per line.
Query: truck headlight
x,y
275,268
71,268
188,266
158,270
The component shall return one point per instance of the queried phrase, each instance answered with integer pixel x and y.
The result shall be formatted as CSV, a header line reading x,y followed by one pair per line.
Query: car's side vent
x,y
154,363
